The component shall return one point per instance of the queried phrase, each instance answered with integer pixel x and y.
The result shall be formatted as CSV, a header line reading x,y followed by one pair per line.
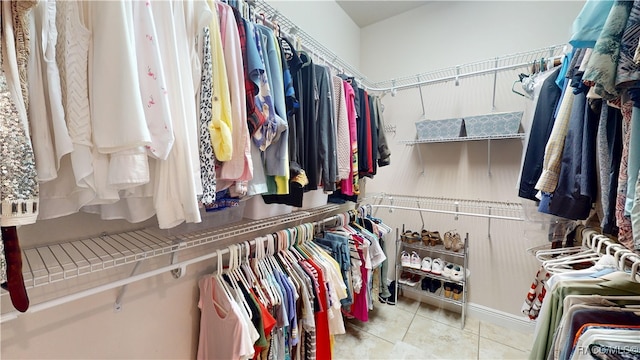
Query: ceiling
x,y
367,12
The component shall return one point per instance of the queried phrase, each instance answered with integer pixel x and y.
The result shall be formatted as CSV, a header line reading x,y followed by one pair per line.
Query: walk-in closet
x,y
322,179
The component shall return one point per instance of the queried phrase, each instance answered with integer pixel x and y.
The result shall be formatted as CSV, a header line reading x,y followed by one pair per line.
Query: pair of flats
x,y
454,272
431,238
412,260
453,241
453,291
434,266
408,278
431,285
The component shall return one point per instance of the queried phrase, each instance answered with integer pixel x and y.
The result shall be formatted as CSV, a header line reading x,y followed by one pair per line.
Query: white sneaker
x,y
415,261
426,264
436,266
446,272
405,259
457,274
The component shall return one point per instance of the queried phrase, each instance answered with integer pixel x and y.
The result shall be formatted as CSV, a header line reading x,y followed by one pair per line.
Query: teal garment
x,y
589,23
635,217
603,63
613,284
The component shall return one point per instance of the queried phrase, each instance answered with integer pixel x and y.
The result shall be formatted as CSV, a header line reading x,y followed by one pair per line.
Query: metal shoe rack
x,y
439,293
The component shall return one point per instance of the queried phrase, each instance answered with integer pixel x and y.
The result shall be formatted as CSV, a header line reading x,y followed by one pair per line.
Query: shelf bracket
x,y
420,159
420,212
489,157
457,210
181,271
489,224
123,289
495,84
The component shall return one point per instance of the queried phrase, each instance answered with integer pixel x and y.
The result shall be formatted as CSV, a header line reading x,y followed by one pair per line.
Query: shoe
x,y
426,283
457,243
457,292
436,266
405,259
448,240
391,300
435,285
415,261
413,280
405,277
424,234
410,237
426,264
457,274
434,238
446,272
448,289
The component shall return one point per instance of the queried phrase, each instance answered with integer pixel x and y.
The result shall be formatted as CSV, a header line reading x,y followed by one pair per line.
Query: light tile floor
x,y
412,330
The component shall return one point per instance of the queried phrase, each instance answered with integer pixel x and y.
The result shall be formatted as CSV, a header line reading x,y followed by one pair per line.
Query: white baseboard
x,y
501,318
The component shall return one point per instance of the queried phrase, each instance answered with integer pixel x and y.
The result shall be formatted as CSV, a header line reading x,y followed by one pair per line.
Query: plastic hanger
x,y
236,282
251,277
260,272
222,283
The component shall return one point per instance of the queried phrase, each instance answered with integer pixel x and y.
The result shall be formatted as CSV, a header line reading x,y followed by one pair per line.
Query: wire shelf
x,y
466,138
489,66
53,263
479,208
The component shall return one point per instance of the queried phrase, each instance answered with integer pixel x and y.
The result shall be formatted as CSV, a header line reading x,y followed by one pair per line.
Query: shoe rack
x,y
437,251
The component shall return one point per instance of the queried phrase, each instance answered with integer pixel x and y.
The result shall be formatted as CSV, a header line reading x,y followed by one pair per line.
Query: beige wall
x,y
442,35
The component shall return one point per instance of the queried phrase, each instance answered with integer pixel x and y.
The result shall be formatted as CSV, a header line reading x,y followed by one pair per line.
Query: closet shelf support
x,y
118,305
489,157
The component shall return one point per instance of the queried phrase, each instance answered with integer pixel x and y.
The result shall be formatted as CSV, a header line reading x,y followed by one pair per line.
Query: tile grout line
x,y
479,325
408,327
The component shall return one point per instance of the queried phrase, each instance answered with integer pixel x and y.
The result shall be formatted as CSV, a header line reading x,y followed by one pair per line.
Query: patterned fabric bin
x,y
493,124
439,129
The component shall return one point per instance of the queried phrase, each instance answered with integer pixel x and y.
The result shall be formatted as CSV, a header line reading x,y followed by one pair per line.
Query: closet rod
x,y
447,212
293,31
98,289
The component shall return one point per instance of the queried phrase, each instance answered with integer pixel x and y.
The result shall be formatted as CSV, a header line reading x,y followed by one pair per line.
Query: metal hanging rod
x,y
272,15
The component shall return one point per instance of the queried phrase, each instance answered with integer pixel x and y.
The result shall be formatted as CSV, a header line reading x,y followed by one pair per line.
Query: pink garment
x,y
220,334
360,306
343,138
349,185
240,166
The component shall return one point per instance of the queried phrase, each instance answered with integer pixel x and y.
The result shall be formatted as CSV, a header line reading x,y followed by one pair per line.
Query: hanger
x,y
251,277
521,77
221,282
259,270
236,281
